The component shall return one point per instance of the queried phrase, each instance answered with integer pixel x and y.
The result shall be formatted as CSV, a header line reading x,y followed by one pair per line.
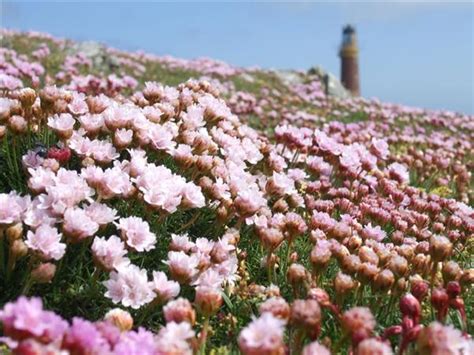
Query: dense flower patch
x,y
331,226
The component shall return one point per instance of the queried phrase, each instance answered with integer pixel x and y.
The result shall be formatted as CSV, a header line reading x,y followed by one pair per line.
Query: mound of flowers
x,y
325,236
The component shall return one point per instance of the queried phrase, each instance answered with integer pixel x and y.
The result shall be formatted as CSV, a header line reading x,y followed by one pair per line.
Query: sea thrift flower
x,y
84,337
11,208
276,306
78,225
164,288
26,318
208,299
101,213
174,338
43,273
399,172
47,242
437,339
179,310
373,232
358,319
109,254
373,347
264,335
62,124
306,314
315,348
183,268
136,234
140,342
129,285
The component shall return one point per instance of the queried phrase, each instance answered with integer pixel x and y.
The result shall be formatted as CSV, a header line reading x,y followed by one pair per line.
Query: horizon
x,y
414,54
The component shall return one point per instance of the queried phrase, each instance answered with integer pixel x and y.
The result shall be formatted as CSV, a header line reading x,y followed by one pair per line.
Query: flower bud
x,y
14,232
27,97
18,248
208,300
17,124
384,280
319,295
354,242
419,289
453,289
280,206
440,247
297,274
62,155
119,318
43,273
271,237
358,319
179,310
410,306
305,314
350,264
401,285
276,306
451,271
440,301
421,264
367,254
467,278
367,272
343,284
398,265
373,346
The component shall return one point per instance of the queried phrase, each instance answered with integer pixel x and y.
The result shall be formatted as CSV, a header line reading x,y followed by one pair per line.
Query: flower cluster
x,y
340,220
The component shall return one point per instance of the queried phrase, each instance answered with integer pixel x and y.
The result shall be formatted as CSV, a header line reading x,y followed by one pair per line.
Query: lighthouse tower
x,y
349,60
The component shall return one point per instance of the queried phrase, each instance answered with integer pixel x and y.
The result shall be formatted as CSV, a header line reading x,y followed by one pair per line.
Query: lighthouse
x,y
349,54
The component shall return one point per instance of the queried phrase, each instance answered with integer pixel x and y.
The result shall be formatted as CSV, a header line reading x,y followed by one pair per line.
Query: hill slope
x,y
129,179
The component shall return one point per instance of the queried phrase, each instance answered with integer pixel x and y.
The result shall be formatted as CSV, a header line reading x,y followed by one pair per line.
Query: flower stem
x,y
203,336
2,251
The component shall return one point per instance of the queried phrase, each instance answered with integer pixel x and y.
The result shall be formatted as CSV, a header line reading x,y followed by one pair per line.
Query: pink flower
x,y
174,338
280,184
84,337
40,179
161,138
140,342
123,137
399,172
47,241
78,225
91,123
11,208
62,124
263,335
438,339
164,288
379,147
109,253
316,348
183,268
180,243
192,196
78,105
373,346
101,214
129,285
375,233
136,233
26,317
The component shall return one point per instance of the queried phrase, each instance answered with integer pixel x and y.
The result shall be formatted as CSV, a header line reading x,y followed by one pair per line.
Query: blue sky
x,y
415,53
